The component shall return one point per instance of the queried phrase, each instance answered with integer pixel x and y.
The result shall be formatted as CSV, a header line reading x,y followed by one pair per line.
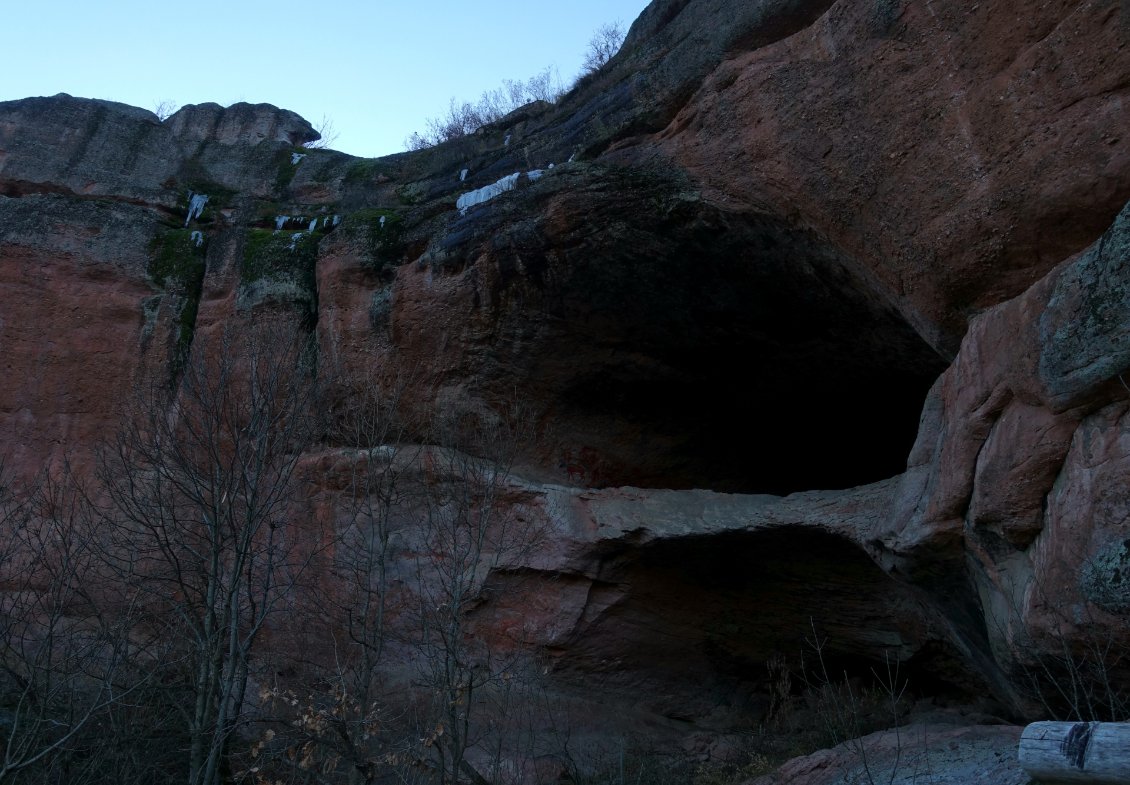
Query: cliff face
x,y
871,255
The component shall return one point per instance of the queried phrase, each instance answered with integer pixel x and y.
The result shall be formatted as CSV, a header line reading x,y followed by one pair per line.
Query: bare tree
x,y
198,526
62,657
603,45
423,528
327,135
164,109
341,717
468,528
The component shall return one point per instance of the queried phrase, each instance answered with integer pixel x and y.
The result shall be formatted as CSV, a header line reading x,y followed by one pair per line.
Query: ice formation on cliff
x,y
196,204
486,193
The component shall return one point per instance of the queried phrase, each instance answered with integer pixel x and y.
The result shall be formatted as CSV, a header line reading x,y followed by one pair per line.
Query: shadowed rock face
x,y
671,343
779,219
702,615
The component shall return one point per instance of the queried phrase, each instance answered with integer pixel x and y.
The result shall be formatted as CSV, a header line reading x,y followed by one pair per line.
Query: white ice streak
x,y
296,158
486,193
197,238
294,238
463,175
313,225
280,222
506,141
534,174
383,222
196,204
337,220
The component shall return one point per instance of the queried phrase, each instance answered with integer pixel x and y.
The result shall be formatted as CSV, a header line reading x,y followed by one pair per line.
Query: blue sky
x,y
377,69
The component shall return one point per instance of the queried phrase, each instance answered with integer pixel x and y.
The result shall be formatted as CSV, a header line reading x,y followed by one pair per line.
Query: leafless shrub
x,y
468,528
466,117
165,108
327,135
1075,667
847,712
602,47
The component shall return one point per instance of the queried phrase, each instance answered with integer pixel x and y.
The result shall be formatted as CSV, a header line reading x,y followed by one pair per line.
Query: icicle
x,y
197,238
382,222
280,222
463,175
486,193
572,157
313,225
506,141
196,204
296,158
325,222
337,220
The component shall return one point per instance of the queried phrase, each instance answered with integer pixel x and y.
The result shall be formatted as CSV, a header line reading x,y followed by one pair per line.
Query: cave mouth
x,y
704,618
735,353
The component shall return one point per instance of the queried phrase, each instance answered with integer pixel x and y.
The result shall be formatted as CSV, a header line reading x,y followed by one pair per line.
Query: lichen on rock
x,y
1105,578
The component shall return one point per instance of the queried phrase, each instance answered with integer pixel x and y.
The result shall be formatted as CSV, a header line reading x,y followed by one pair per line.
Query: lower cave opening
x,y
704,618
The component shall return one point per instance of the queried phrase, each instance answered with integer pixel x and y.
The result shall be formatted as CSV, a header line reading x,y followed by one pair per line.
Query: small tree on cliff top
x,y
603,46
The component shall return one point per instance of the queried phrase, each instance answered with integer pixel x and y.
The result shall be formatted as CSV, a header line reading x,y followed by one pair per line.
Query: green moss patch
x,y
176,261
177,265
410,194
363,171
279,267
286,168
381,232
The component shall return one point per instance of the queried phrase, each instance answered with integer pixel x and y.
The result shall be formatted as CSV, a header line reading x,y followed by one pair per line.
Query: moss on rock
x,y
176,260
381,232
177,265
286,167
279,267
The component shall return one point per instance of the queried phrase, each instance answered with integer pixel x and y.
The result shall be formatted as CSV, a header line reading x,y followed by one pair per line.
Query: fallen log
x,y
1097,753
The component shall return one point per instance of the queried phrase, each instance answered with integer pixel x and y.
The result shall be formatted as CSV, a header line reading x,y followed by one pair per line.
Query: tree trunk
x,y
1097,753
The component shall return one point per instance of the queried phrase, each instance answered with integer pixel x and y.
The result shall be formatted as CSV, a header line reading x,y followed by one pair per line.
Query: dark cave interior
x,y
732,352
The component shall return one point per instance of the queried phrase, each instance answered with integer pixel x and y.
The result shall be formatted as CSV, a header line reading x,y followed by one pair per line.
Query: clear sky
x,y
376,69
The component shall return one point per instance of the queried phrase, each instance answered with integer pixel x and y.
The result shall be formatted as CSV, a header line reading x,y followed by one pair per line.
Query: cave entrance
x,y
731,352
702,619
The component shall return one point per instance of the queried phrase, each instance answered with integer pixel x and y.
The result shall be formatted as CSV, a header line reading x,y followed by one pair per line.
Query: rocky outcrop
x,y
957,154
239,124
867,258
1022,437
934,753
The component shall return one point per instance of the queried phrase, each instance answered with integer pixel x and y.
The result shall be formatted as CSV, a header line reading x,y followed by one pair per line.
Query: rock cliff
x,y
821,307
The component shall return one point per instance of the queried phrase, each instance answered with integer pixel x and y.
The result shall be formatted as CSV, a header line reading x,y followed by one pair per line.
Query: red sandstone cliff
x,y
871,258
